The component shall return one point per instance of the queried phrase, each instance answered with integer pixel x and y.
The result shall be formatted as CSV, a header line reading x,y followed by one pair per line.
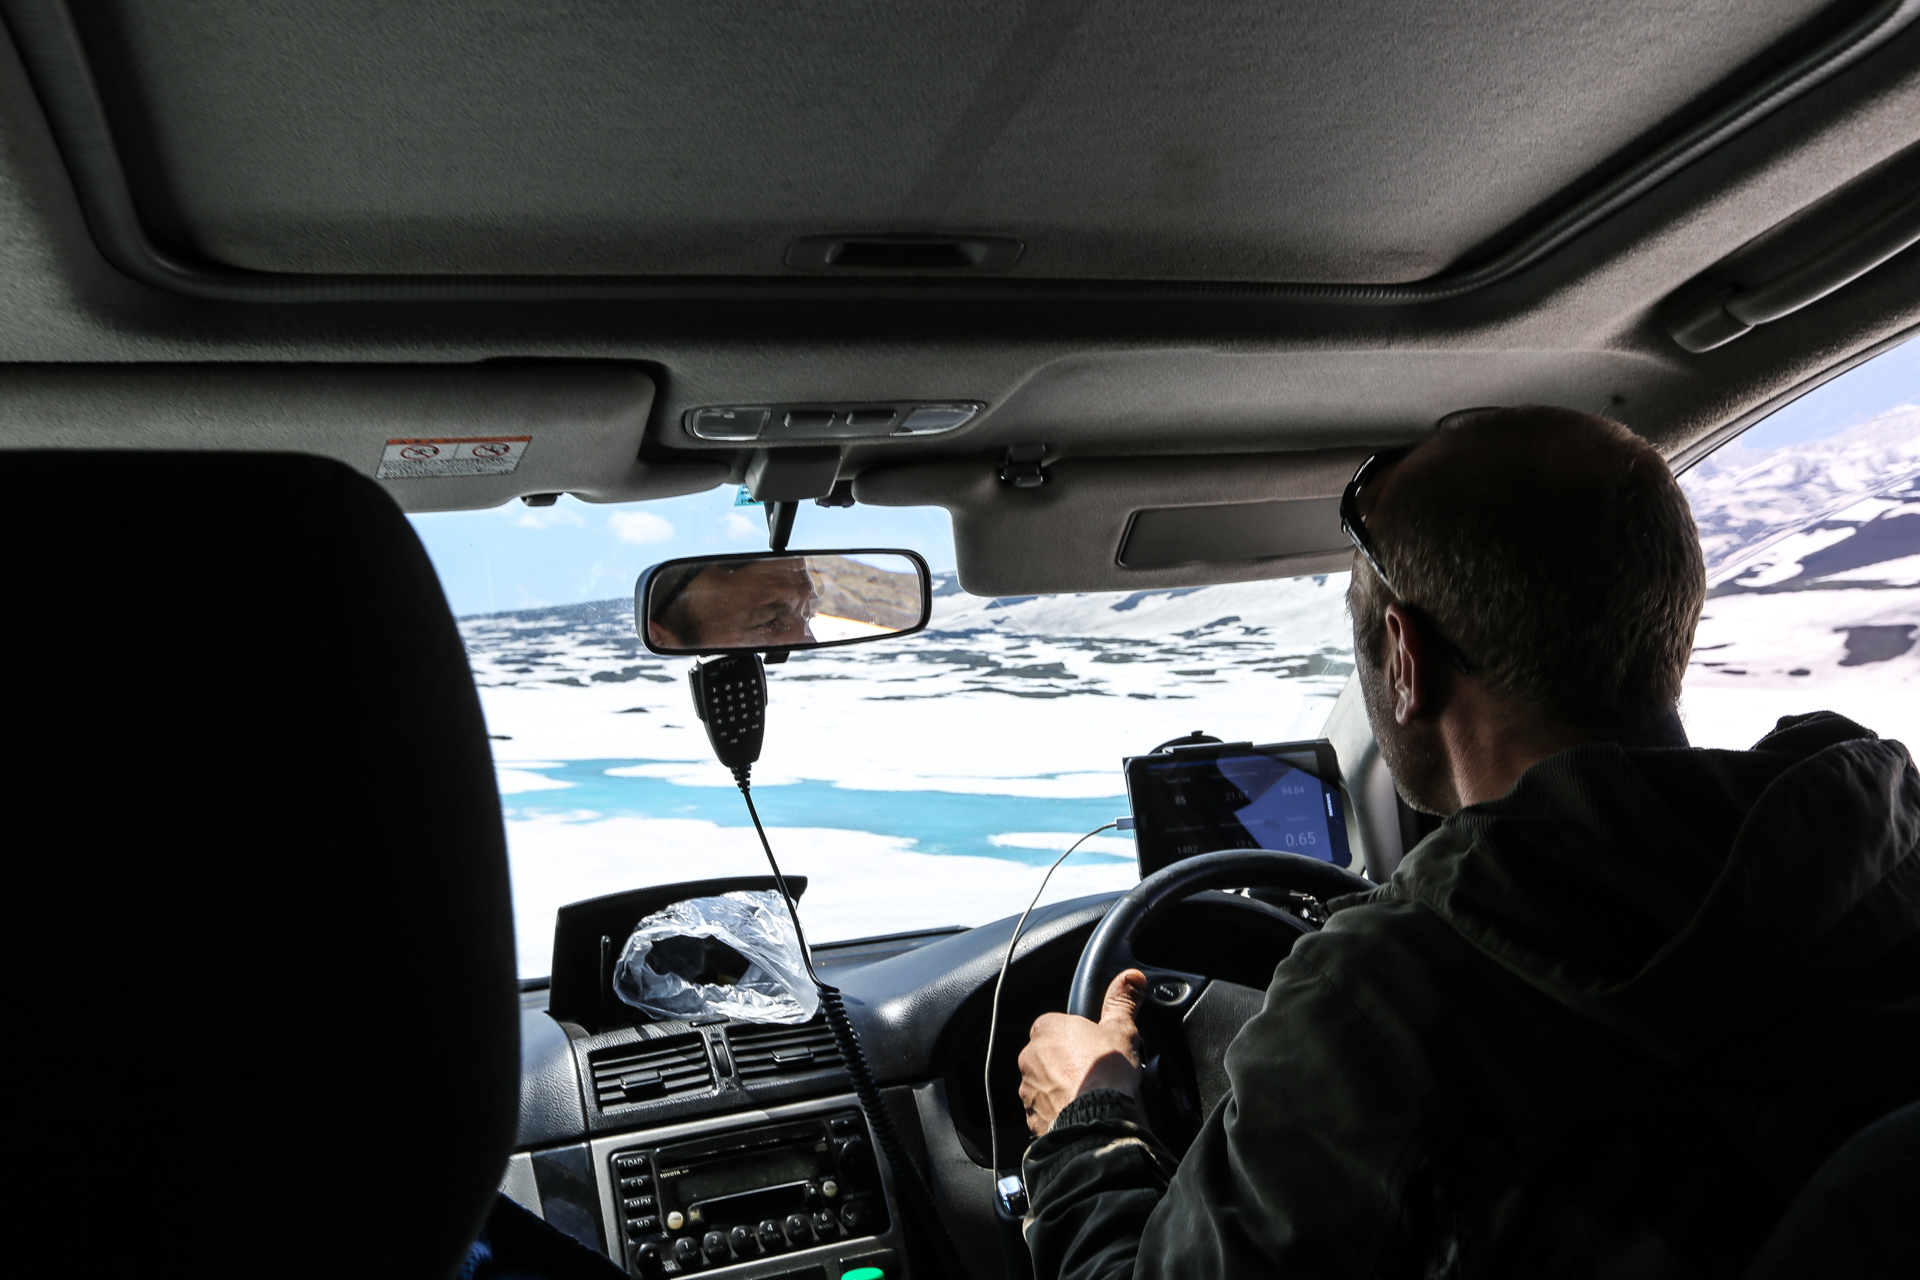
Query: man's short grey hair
x,y
667,602
1556,550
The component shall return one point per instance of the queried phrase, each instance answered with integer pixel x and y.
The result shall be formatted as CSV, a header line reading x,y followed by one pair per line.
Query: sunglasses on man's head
x,y
1355,528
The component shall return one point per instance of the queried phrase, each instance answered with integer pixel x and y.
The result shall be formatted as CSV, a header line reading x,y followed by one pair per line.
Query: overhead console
x,y
810,423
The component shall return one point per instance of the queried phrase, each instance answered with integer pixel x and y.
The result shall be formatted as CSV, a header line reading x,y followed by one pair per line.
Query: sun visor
x,y
1121,524
1163,536
439,437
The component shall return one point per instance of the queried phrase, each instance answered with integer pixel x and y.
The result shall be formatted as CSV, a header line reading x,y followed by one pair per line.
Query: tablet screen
x,y
1284,796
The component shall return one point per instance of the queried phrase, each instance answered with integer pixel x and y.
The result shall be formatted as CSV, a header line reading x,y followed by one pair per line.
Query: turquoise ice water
x,y
938,821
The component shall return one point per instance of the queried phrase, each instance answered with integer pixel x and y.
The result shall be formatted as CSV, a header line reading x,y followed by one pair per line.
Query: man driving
x,y
1613,1013
751,604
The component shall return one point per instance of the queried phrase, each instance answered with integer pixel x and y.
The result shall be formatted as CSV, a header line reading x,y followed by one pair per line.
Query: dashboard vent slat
x,y
629,1073
768,1051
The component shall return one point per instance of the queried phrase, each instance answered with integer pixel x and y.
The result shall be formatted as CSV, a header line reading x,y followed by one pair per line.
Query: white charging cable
x,y
993,1017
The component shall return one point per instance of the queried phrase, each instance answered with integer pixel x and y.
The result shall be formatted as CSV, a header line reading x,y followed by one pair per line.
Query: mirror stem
x,y
780,523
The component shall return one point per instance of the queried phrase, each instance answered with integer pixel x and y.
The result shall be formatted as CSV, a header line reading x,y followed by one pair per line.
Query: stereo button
x,y
716,1243
686,1252
741,1238
829,1188
676,1220
770,1237
823,1223
855,1156
797,1228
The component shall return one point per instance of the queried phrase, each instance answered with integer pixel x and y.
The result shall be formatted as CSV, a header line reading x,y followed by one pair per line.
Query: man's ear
x,y
1412,668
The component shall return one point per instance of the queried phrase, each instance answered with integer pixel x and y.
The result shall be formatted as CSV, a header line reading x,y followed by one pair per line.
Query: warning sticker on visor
x,y
468,456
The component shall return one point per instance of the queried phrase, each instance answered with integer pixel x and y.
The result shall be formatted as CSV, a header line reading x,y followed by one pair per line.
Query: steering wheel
x,y
1187,1020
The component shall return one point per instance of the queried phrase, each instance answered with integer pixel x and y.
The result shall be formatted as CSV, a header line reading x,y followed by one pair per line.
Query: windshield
x,y
926,782
918,783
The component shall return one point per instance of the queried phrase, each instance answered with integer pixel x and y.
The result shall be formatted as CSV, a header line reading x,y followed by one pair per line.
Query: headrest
x,y
258,859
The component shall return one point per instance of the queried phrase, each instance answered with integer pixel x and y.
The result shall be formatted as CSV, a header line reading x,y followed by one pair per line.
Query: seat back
x,y
257,859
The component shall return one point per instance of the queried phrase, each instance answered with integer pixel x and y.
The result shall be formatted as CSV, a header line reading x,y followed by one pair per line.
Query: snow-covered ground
x,y
926,781
1813,569
998,705
1059,687
1760,656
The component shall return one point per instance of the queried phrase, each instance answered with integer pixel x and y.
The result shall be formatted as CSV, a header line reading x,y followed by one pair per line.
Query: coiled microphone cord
x,y
915,1196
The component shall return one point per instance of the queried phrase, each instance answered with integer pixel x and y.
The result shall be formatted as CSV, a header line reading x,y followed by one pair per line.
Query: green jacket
x,y
1606,1025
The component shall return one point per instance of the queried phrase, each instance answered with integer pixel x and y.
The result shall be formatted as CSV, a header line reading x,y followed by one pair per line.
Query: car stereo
x,y
1191,800
748,1194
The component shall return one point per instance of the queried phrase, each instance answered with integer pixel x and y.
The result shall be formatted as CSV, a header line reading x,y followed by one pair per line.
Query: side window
x,y
1810,521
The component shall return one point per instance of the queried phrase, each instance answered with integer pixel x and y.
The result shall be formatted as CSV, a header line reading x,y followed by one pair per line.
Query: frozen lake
x,y
1022,828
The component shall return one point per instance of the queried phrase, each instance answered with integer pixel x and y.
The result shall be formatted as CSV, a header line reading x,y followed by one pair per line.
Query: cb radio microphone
x,y
730,697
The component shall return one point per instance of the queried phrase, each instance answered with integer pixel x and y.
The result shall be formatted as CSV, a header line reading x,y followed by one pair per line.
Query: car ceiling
x,y
1255,237
1232,141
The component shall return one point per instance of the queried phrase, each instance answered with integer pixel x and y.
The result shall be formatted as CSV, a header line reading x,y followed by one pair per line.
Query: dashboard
x,y
708,1145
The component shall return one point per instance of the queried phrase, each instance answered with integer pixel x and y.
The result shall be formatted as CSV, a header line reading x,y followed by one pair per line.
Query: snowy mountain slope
x,y
1878,534
966,699
1747,499
1294,611
1053,646
1813,556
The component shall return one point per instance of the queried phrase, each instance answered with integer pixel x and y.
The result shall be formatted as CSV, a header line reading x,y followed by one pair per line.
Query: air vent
x,y
770,1051
652,1069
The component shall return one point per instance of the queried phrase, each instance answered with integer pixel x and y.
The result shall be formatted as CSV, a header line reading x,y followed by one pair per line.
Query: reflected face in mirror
x,y
756,604
777,600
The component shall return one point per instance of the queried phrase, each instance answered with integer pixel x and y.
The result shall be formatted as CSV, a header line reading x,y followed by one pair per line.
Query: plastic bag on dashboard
x,y
734,954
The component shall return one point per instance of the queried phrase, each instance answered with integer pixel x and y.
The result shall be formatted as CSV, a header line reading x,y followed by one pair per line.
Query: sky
x,y
520,557
1890,378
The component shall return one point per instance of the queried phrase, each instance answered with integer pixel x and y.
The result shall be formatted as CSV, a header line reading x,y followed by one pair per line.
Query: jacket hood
x,y
1684,896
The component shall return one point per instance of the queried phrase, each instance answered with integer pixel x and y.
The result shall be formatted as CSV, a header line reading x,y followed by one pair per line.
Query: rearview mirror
x,y
780,600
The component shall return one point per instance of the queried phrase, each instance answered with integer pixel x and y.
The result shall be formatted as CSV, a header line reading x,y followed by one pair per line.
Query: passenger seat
x,y
257,879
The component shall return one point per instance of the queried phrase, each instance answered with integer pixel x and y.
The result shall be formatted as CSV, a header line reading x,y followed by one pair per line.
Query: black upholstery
x,y
1860,1216
262,921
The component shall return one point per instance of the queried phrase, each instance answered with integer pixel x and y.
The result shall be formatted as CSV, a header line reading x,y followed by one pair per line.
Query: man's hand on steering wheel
x,y
1066,1055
